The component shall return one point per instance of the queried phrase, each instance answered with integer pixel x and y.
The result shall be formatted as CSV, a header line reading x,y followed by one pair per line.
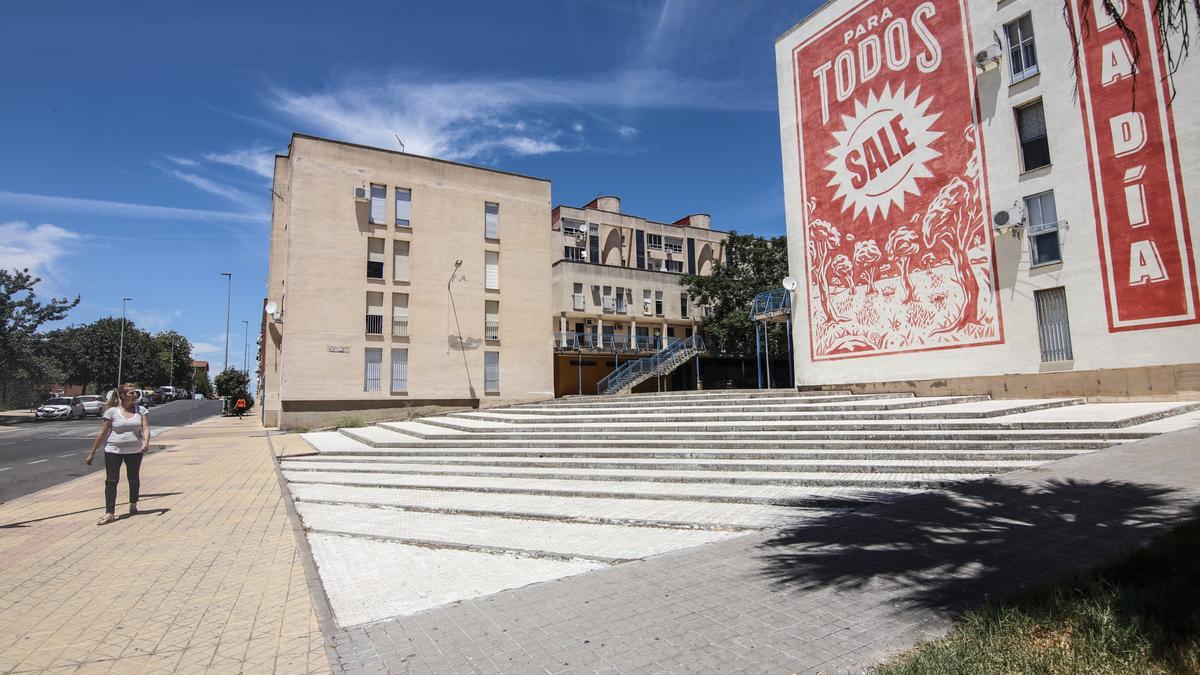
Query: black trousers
x,y
112,471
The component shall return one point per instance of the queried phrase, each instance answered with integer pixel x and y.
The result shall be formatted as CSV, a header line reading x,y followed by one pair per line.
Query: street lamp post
x,y
228,299
246,347
171,367
121,343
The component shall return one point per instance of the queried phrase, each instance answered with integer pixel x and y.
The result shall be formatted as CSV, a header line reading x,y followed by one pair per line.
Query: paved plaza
x,y
850,529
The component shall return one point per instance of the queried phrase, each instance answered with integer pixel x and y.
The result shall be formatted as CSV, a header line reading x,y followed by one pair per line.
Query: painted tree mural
x,y
866,257
823,237
902,245
843,269
954,223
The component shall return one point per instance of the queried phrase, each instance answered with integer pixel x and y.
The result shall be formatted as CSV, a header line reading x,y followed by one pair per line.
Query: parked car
x,y
92,405
164,394
147,398
60,409
197,397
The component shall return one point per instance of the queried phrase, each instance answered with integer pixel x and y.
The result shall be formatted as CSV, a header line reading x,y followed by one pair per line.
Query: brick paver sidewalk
x,y
208,578
830,594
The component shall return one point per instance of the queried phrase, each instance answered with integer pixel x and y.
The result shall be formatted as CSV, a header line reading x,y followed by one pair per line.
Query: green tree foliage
x,y
24,357
201,383
234,383
753,265
178,371
87,355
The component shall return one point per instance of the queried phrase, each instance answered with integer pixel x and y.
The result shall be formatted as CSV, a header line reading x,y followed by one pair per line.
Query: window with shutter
x,y
491,270
491,372
399,370
1054,329
1031,128
400,314
491,220
403,207
373,369
400,264
378,204
374,313
491,320
375,258
1042,228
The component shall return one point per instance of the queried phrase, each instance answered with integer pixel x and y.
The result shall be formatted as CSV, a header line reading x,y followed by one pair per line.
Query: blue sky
x,y
138,136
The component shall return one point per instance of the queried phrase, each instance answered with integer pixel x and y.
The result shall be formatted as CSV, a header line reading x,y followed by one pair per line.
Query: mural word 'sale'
x,y
899,251
1141,217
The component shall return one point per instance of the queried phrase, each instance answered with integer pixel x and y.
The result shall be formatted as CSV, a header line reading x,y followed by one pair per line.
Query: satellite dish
x,y
271,307
790,283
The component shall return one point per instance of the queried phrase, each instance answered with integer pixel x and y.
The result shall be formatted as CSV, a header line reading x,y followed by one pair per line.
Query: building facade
x,y
967,215
399,283
616,288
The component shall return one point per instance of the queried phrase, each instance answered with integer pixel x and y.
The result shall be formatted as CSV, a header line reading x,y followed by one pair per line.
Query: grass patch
x,y
349,422
1137,614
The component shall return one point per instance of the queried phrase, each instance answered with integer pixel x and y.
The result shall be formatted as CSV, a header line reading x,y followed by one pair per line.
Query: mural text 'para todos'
x,y
1141,218
899,254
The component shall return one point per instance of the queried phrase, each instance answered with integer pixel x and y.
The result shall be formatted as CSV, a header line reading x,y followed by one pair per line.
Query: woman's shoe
x,y
106,519
133,510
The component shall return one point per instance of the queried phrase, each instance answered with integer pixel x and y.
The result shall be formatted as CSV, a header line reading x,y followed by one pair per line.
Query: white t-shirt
x,y
126,436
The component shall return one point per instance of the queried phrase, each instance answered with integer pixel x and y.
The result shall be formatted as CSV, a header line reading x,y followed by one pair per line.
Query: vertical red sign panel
x,y
1141,215
899,254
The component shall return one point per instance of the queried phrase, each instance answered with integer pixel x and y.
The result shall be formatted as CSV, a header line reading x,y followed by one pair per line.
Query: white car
x,y
60,409
92,405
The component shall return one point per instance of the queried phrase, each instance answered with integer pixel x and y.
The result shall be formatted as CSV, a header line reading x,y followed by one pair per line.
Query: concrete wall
x,y
318,364
1004,341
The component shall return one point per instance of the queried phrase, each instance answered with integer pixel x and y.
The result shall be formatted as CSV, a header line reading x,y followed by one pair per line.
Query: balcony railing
x,y
374,324
771,303
609,342
491,330
399,327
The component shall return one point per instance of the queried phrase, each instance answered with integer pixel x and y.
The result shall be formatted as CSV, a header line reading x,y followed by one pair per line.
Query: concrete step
x,y
711,394
666,513
856,475
992,409
495,534
606,402
701,406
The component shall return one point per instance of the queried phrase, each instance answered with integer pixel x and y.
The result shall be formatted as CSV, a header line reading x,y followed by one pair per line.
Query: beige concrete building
x,y
967,215
402,282
616,288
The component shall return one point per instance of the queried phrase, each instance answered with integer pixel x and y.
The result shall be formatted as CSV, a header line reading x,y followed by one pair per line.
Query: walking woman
x,y
125,435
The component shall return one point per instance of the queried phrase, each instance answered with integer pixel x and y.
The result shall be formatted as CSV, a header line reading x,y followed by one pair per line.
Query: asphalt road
x,y
37,455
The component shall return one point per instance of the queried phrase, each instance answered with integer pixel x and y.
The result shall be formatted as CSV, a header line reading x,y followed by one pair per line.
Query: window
x,y
373,369
403,207
683,305
491,270
572,228
673,266
1043,228
647,302
400,262
491,320
400,314
622,300
1031,127
374,258
577,300
658,303
1054,330
1021,51
572,253
673,244
491,220
491,372
399,370
378,203
654,241
594,242
607,302
374,313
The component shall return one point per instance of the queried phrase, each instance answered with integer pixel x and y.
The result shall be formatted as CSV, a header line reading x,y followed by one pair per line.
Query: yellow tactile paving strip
x,y
209,578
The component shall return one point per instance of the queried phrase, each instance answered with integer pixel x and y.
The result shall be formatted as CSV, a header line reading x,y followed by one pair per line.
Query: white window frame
x,y
673,244
491,220
399,379
1021,45
491,320
654,242
675,266
401,259
372,377
572,227
378,204
491,372
647,302
403,213
491,270
400,314
1039,225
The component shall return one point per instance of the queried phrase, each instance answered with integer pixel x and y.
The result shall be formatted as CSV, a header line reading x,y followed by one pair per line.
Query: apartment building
x,y
401,283
966,214
616,288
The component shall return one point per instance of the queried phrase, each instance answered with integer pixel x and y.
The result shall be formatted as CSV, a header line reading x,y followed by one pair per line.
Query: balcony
x,y
491,330
399,327
607,343
374,324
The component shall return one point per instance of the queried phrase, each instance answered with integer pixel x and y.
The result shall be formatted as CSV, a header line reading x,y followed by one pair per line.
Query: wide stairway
x,y
408,515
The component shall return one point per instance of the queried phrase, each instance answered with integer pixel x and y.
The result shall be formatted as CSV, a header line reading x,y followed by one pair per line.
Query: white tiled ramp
x,y
405,516
369,580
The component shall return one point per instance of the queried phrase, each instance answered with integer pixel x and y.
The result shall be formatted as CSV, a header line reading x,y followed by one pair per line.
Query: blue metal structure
x,y
772,306
629,374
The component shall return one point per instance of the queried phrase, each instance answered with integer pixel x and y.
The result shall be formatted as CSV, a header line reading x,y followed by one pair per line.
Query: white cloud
x,y
183,161
200,348
61,204
221,190
155,320
466,119
36,248
257,159
627,132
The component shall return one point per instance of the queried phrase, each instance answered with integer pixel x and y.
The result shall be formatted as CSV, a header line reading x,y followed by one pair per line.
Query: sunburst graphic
x,y
882,151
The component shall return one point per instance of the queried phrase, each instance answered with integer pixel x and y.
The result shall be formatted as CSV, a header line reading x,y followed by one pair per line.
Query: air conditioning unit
x,y
580,235
360,194
1009,219
989,57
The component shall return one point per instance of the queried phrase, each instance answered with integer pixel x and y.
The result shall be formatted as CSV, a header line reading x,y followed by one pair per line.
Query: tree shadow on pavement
x,y
27,523
953,549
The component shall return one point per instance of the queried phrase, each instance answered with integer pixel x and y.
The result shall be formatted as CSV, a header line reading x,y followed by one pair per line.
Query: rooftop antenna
x,y
399,141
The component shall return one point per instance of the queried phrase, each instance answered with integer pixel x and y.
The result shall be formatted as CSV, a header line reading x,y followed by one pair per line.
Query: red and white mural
x,y
1141,215
899,254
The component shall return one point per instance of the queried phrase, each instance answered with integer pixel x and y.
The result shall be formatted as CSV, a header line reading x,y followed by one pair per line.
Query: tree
x,y
866,256
234,383
22,349
201,384
752,265
179,371
902,245
823,237
953,221
843,269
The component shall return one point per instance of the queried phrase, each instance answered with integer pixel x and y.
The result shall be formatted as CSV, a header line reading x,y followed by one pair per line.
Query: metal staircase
x,y
632,373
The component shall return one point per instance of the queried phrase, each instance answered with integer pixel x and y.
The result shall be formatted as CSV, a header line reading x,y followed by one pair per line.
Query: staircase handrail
x,y
630,370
